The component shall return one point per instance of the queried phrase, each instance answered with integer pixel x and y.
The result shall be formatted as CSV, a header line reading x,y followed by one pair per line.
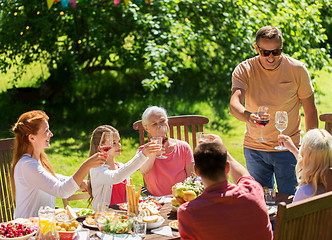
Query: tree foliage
x,y
168,52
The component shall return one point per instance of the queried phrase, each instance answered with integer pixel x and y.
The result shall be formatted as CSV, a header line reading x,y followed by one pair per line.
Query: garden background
x,y
97,63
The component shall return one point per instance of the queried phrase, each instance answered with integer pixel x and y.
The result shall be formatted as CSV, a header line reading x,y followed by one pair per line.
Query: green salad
x,y
85,212
115,224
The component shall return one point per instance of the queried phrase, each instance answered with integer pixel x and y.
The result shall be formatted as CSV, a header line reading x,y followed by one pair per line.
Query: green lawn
x,y
66,154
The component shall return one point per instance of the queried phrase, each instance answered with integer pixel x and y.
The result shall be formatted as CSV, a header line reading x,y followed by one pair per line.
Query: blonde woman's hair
x,y
94,143
28,123
316,159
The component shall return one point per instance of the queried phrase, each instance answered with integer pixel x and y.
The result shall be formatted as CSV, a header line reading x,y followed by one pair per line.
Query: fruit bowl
x,y
69,235
28,231
20,238
114,223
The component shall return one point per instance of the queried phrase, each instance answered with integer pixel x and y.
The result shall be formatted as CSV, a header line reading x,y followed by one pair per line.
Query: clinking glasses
x,y
266,53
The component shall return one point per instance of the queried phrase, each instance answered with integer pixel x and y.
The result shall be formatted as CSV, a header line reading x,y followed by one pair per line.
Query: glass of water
x,y
140,228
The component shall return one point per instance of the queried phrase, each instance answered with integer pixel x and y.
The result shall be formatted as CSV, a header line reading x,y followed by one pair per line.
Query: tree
x,y
179,51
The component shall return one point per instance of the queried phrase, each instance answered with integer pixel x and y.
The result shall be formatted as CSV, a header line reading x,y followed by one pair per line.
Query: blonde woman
x,y
314,159
34,181
107,183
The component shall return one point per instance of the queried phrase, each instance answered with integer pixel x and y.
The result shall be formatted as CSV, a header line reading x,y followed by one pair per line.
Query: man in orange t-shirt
x,y
224,210
281,83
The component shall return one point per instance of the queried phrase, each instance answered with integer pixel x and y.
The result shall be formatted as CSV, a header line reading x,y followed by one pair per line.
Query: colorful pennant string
x,y
64,3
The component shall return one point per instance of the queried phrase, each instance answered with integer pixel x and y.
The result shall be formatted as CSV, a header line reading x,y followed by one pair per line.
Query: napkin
x,y
83,235
118,236
165,230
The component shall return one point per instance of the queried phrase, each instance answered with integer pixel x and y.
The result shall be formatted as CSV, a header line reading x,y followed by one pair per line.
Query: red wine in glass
x,y
263,122
106,141
105,148
263,114
164,140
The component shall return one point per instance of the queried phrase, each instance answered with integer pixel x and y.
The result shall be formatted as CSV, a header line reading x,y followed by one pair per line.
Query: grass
x,y
67,153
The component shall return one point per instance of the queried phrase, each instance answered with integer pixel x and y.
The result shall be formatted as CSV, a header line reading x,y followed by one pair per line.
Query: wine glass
x,y
162,131
159,141
281,121
106,141
263,114
202,137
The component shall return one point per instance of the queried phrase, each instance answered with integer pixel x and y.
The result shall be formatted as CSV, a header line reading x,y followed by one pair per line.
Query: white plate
x,y
21,238
272,209
89,225
174,224
155,224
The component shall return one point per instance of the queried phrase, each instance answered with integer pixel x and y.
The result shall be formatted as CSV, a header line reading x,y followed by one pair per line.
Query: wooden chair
x,y
79,195
305,220
327,118
329,179
7,200
188,122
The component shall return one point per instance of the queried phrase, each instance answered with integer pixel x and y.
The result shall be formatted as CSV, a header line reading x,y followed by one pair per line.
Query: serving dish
x,y
155,224
174,224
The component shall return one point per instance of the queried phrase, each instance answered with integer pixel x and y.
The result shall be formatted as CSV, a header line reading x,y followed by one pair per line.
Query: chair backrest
x,y
79,195
327,118
6,197
187,122
329,179
305,220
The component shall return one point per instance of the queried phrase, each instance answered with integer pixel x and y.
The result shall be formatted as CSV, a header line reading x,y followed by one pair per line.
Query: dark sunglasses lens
x,y
275,52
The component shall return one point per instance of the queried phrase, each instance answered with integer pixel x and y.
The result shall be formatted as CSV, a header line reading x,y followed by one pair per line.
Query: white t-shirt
x,y
103,178
36,187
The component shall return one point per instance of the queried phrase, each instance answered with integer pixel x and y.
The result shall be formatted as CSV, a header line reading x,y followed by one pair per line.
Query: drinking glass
x,y
102,207
162,131
106,141
263,114
270,196
202,137
159,141
47,226
140,228
281,121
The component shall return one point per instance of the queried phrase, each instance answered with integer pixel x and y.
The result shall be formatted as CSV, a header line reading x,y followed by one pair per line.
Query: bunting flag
x,y
64,3
116,2
73,3
49,3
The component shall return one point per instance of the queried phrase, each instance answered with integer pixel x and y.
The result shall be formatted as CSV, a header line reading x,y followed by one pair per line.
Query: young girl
x,y
107,183
314,159
34,181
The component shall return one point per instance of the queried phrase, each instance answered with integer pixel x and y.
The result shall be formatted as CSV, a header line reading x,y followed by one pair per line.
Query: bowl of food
x,y
114,223
67,230
153,221
16,231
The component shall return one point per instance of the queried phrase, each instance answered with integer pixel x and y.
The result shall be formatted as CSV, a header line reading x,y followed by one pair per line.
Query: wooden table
x,y
165,212
281,197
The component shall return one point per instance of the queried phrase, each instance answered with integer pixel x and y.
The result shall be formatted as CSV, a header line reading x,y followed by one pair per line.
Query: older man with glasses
x,y
281,83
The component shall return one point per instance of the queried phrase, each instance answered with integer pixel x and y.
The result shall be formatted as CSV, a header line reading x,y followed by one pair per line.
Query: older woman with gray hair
x,y
161,174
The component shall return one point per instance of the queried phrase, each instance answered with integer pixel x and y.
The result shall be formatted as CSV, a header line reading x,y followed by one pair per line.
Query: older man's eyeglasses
x,y
266,53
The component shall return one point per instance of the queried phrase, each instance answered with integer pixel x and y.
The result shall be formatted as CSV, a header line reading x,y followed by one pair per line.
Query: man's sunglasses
x,y
266,53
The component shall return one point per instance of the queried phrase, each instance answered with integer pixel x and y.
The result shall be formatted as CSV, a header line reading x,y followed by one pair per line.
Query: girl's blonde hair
x,y
94,143
316,159
28,123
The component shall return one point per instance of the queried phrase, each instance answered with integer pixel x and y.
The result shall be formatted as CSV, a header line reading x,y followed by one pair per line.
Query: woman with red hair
x,y
34,181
